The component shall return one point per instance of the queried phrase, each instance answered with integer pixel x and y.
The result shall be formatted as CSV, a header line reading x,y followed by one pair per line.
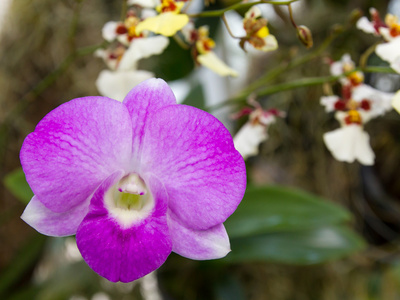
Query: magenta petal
x,y
192,153
119,253
51,223
144,99
74,148
198,244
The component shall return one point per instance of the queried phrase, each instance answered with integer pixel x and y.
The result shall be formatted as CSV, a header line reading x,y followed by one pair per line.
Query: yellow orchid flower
x,y
168,22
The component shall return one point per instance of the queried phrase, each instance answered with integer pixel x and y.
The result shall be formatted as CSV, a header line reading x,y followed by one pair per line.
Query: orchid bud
x,y
305,36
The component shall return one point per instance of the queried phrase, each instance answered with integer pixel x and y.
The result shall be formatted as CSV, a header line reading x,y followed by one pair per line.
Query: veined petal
x,y
121,253
142,101
116,84
51,223
165,23
142,48
350,143
390,53
198,164
198,244
74,148
211,61
249,138
109,31
396,102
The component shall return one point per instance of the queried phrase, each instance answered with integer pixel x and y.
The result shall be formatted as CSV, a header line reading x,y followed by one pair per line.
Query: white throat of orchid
x,y
129,201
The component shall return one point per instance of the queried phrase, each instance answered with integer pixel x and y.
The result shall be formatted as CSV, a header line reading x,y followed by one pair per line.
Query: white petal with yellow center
x,y
249,138
350,143
142,48
166,24
211,61
117,84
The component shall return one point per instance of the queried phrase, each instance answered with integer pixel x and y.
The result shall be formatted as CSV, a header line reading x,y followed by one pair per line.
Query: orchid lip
x,y
129,201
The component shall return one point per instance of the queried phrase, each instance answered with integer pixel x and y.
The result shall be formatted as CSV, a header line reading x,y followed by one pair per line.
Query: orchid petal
x,y
380,101
198,244
271,43
396,102
142,48
121,253
253,13
166,24
249,138
211,61
74,148
109,31
116,84
144,3
51,223
329,102
390,53
350,143
365,25
198,165
142,101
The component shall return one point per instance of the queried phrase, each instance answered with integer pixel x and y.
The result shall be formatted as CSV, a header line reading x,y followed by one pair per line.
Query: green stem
x,y
124,9
292,64
220,12
366,54
305,82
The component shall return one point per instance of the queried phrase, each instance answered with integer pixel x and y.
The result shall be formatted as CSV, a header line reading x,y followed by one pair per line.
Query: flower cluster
x,y
257,33
358,104
248,139
389,29
133,180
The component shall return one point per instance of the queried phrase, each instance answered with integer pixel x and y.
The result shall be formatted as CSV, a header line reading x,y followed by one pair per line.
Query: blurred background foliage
x,y
287,243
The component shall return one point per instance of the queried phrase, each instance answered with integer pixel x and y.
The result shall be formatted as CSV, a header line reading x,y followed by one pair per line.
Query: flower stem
x,y
366,54
228,28
291,16
305,82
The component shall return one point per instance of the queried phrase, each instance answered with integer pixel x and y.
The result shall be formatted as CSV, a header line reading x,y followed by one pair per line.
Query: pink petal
x,y
51,223
192,153
74,148
198,244
143,100
119,253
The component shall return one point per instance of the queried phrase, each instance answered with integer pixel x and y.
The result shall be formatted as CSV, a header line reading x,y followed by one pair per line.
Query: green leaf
x,y
17,185
277,208
302,247
196,98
